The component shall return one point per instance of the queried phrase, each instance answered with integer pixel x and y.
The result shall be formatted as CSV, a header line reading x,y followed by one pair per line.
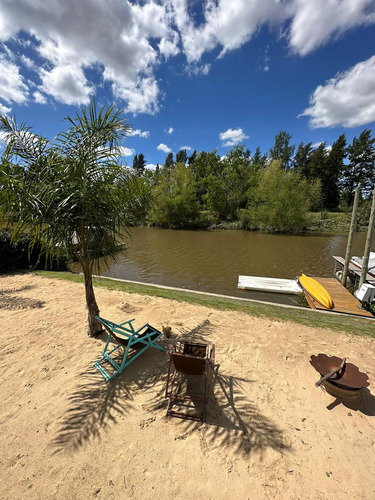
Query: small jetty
x,y
354,271
261,284
343,300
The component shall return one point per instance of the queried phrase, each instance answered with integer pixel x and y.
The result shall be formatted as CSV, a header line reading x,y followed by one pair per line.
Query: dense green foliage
x,y
175,204
23,254
282,199
271,191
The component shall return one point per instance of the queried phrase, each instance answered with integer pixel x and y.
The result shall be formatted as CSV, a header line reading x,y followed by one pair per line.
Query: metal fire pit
x,y
345,380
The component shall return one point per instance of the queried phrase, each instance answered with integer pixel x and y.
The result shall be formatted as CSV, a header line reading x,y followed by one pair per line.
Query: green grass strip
x,y
348,324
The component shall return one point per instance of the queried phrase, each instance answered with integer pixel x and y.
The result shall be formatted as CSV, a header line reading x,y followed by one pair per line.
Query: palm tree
x,y
71,193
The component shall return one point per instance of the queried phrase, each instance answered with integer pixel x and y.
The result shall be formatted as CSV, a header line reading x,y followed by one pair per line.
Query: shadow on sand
x,y
233,420
364,404
96,404
10,300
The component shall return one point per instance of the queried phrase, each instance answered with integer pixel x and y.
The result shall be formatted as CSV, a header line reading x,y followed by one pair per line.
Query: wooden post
x,y
370,231
350,238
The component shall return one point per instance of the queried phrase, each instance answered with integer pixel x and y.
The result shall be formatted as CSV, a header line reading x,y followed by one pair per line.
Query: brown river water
x,y
211,261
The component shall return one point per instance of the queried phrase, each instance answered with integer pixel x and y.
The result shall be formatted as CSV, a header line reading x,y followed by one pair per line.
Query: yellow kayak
x,y
316,291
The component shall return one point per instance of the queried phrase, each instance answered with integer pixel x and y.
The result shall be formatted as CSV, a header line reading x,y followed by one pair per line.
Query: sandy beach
x,y
270,433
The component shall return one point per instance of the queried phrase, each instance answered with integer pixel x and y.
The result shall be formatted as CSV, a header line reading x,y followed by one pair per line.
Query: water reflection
x,y
212,260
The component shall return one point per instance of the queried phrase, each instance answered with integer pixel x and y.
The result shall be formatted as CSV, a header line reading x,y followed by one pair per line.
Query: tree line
x,y
272,190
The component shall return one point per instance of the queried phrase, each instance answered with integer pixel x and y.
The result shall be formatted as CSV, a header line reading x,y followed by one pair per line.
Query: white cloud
x,y
186,148
27,62
164,148
169,46
39,98
153,19
142,96
4,111
12,86
348,99
138,132
231,137
228,23
198,69
170,130
150,166
119,47
265,62
124,151
133,38
316,22
66,84
317,144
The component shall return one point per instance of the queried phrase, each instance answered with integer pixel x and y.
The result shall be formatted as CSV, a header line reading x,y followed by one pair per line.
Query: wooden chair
x,y
131,340
186,361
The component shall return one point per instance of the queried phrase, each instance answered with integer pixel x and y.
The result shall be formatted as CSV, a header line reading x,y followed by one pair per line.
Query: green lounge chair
x,y
131,340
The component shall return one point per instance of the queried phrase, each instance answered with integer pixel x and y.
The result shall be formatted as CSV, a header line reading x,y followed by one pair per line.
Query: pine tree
x,y
302,159
139,164
282,150
255,160
192,157
360,171
334,168
258,159
169,162
317,165
135,163
181,156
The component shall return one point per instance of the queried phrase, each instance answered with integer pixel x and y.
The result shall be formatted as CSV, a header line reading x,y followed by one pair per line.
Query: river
x,y
212,260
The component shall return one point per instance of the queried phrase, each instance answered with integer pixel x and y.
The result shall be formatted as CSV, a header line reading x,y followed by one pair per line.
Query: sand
x,y
270,433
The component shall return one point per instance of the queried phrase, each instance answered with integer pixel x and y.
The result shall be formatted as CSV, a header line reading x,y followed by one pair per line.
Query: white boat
x,y
261,284
357,261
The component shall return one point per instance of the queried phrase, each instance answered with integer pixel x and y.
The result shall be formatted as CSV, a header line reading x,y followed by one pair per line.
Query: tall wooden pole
x,y
350,238
370,232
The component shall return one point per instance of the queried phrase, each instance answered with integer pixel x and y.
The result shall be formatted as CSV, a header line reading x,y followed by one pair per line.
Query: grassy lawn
x,y
355,326
329,221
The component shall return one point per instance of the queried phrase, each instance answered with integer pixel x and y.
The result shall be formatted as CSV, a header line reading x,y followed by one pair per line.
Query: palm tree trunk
x,y
94,326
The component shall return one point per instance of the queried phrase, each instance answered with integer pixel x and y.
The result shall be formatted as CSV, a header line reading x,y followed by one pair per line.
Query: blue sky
x,y
201,75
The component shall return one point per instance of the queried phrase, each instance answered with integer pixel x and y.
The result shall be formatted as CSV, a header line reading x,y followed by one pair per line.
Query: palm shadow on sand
x,y
95,405
232,418
9,299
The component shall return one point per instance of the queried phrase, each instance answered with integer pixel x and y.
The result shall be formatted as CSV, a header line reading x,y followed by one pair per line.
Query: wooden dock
x,y
343,300
353,270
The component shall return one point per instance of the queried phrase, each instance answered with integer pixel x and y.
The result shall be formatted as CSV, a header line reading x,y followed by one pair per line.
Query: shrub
x,y
281,200
246,218
175,202
23,255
